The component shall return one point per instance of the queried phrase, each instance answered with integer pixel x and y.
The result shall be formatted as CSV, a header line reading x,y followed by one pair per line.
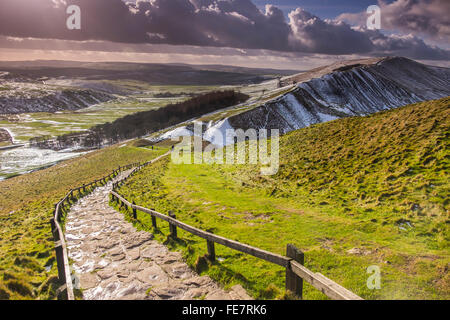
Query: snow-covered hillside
x,y
26,97
357,91
342,90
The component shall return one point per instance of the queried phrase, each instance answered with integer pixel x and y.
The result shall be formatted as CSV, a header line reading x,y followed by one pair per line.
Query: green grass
x,y
26,206
141,86
350,183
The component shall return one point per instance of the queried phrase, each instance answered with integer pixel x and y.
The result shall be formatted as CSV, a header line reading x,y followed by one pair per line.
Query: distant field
x,y
29,125
32,125
350,193
27,260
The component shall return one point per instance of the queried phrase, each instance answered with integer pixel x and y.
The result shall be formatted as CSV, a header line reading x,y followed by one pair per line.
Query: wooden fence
x,y
296,272
62,259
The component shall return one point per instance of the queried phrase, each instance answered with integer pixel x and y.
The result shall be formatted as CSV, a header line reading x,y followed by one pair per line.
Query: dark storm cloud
x,y
428,18
213,23
311,34
101,20
409,46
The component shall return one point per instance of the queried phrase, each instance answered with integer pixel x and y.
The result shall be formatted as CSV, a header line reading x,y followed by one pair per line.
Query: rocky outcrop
x,y
5,137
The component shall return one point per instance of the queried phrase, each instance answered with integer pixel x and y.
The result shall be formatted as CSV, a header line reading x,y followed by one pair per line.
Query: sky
x,y
324,9
283,34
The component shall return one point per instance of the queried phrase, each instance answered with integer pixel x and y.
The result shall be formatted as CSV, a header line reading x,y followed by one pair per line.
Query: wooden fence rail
x,y
62,259
296,272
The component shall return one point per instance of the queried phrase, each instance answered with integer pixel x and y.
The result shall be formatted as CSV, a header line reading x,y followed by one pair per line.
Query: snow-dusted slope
x,y
343,89
353,91
25,97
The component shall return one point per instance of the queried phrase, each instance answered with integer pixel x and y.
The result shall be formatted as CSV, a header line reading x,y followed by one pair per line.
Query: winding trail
x,y
114,261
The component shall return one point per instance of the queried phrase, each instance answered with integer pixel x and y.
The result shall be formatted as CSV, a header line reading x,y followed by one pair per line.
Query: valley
x,y
47,99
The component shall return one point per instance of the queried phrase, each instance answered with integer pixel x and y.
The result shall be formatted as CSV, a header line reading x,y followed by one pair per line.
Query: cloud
x,y
405,45
311,34
427,18
205,23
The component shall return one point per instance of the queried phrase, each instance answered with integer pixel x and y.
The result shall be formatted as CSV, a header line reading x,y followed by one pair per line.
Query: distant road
x,y
13,146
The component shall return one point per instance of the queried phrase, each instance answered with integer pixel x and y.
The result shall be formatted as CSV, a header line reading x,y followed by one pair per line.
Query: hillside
x,y
396,161
350,193
27,257
343,89
21,97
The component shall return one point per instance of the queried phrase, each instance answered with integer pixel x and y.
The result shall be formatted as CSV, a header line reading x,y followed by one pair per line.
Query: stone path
x,y
114,261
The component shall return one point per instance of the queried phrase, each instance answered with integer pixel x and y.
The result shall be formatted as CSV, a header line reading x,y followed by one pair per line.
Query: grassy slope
x,y
350,183
26,204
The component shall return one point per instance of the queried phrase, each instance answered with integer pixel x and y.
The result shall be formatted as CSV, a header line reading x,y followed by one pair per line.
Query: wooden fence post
x,y
54,230
293,282
172,227
58,252
211,250
60,261
134,211
58,212
62,209
154,221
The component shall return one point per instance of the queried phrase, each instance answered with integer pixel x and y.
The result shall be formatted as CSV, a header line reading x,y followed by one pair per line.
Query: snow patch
x,y
221,134
175,133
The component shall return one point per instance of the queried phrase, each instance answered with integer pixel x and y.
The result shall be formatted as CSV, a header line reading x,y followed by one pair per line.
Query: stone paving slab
x,y
114,261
